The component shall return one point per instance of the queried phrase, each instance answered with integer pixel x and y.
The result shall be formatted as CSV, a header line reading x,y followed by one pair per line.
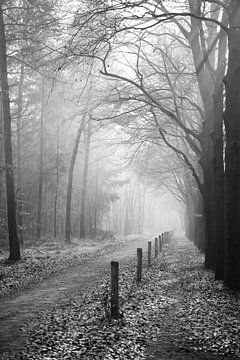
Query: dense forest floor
x,y
178,312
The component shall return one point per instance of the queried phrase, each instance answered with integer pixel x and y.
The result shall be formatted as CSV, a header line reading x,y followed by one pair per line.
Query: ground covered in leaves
x,y
178,312
41,261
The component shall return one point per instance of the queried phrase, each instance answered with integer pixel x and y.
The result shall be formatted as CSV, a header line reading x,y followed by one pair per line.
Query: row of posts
x,y
159,241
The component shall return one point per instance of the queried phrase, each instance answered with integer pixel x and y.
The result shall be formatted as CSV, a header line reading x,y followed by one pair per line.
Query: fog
x,y
94,150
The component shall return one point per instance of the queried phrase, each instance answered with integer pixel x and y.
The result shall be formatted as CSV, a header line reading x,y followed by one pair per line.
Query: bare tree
x,y
41,141
11,202
70,178
84,180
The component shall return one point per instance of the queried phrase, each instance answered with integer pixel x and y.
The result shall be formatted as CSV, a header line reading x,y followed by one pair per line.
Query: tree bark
x,y
70,180
40,184
96,199
56,186
232,158
218,169
208,205
14,253
20,208
84,182
208,81
3,205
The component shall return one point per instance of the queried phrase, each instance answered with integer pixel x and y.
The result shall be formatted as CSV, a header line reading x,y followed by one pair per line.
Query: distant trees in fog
x,y
161,83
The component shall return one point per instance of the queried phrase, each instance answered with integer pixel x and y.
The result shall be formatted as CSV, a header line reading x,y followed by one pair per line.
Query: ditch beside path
x,y
17,311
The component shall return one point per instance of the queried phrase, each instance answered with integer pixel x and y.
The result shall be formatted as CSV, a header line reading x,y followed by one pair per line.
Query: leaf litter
x,y
41,262
178,303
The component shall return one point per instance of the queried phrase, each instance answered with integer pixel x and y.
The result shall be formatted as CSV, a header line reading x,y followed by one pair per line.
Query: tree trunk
x,y
84,182
209,217
40,184
96,199
232,158
218,169
199,236
70,180
20,194
56,187
3,205
14,248
204,59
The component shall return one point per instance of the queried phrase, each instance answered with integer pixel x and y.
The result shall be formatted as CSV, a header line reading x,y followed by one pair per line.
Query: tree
x,y
19,191
70,178
207,43
57,184
40,184
84,180
232,159
11,202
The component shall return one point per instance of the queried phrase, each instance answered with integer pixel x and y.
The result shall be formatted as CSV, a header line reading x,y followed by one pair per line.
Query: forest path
x,y
184,275
59,289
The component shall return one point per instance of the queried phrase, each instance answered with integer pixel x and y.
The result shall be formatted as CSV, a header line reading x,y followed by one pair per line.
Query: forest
x,y
117,118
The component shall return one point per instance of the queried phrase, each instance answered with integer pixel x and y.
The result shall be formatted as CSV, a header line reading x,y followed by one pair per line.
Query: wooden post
x,y
159,243
149,253
139,265
114,289
156,247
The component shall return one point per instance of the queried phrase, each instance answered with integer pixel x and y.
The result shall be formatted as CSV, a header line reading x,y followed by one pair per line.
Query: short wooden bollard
x,y
149,253
139,265
114,290
156,247
159,243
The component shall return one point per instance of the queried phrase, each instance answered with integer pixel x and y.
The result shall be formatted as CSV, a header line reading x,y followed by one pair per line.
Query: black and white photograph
x,y
119,179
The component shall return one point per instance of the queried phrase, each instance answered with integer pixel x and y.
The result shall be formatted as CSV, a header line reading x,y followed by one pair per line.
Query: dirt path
x,y
15,312
174,321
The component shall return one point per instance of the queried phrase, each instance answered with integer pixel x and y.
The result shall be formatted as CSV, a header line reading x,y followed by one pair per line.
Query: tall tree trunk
x,y
208,206
96,198
218,151
56,187
14,253
204,59
2,178
206,90
232,158
70,180
40,184
20,194
126,226
218,169
199,222
84,182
